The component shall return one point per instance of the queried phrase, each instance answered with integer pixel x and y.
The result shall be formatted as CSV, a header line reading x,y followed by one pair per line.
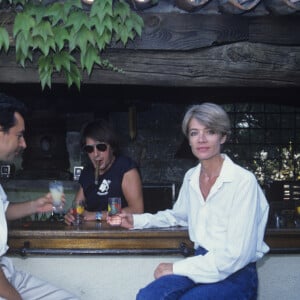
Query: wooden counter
x,y
285,240
94,238
45,238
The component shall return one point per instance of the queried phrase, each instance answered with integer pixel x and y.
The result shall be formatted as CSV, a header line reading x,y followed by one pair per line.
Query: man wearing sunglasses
x,y
108,174
102,147
14,284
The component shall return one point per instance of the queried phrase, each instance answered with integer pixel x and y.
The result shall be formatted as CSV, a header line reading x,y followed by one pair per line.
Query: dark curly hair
x,y
8,107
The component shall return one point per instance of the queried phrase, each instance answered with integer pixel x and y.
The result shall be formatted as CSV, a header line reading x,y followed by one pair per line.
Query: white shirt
x,y
230,224
3,224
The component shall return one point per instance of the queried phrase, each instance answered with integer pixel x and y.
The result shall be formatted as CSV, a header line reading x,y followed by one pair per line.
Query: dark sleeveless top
x,y
109,183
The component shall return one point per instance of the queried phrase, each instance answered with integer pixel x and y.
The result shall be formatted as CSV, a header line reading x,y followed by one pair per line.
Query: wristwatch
x,y
98,215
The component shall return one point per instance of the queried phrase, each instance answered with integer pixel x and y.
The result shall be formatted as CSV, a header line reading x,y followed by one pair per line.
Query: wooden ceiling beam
x,y
191,50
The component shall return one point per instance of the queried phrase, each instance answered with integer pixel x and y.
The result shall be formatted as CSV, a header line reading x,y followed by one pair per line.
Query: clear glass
x,y
114,206
78,209
56,189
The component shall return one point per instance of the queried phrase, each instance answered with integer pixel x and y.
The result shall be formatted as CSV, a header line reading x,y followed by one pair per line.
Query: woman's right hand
x,y
126,220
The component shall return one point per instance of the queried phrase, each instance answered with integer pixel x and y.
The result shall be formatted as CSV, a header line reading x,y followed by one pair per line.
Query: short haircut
x,y
8,107
210,115
100,130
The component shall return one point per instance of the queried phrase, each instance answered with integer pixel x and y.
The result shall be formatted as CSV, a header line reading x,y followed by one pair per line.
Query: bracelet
x,y
98,215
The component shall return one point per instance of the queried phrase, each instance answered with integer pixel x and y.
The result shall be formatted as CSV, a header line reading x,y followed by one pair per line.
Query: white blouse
x,y
230,224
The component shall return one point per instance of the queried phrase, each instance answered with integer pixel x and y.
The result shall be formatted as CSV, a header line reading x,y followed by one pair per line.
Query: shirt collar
x,y
226,174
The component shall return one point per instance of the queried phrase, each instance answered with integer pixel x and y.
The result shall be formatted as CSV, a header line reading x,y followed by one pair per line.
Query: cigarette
x,y
96,172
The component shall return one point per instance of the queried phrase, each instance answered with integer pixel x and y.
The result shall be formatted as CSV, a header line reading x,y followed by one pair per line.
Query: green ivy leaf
x,y
45,63
21,58
56,13
77,20
107,36
122,9
4,39
45,70
52,43
23,43
138,23
36,11
83,37
71,5
72,41
39,44
133,23
63,60
101,9
90,58
43,29
123,34
23,23
61,35
103,40
107,23
73,76
100,26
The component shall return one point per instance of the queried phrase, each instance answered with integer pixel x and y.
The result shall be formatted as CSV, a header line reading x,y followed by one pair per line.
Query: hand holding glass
x,y
56,189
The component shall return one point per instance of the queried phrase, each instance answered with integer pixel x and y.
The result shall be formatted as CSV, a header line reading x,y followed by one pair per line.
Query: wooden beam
x,y
193,50
241,64
173,31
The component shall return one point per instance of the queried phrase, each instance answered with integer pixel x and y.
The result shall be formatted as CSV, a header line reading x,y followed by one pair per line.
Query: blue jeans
x,y
242,285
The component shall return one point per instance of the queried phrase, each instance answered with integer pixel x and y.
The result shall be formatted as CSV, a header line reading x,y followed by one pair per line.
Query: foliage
x,y
264,141
284,168
65,38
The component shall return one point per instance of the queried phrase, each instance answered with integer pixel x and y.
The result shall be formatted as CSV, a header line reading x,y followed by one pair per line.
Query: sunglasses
x,y
90,148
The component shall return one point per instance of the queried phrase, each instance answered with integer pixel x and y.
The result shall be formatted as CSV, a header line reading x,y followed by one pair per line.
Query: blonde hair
x,y
211,115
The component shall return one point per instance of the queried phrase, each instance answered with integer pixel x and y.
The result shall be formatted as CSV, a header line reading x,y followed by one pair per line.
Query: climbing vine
x,y
67,37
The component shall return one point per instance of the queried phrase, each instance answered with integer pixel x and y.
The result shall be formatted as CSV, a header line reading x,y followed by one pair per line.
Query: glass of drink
x,y
77,211
56,189
114,208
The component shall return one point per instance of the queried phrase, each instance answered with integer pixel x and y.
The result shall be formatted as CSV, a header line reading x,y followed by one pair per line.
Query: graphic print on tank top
x,y
104,187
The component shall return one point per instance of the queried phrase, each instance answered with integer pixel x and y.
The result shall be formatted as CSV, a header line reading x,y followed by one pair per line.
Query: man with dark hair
x,y
14,284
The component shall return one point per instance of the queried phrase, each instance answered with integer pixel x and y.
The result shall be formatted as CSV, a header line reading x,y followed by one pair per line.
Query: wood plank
x,y
92,235
240,64
187,32
177,31
283,240
42,236
280,30
98,243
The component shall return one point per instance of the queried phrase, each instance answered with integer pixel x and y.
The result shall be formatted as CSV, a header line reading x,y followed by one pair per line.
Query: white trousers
x,y
30,287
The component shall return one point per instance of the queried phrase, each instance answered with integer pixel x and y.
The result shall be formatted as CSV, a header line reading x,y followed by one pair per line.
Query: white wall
x,y
120,277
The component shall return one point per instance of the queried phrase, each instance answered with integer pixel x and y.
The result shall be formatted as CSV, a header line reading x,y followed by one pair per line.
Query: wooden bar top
x,y
93,238
44,237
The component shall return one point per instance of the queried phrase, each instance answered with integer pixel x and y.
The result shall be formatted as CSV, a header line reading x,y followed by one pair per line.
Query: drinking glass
x,y
56,189
113,209
114,206
77,211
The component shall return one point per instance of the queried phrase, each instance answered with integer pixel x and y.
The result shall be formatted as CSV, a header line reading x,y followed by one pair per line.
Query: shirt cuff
x,y
140,221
